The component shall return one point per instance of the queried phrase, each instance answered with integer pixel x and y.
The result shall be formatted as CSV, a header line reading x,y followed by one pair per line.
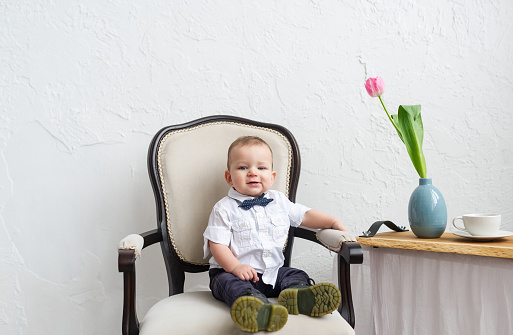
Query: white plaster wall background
x,y
85,85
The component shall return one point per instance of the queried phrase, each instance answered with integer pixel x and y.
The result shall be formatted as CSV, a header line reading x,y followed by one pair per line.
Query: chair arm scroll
x,y
351,252
137,242
133,242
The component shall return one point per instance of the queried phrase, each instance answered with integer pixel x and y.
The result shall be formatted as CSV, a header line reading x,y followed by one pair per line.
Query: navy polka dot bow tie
x,y
261,201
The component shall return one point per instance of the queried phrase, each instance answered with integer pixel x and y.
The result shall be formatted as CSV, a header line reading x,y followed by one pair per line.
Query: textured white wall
x,y
85,85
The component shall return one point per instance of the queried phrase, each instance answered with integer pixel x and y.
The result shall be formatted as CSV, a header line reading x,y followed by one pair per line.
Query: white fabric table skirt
x,y
421,292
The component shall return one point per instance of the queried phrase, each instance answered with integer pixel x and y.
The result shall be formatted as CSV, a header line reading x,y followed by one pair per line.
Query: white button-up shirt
x,y
255,236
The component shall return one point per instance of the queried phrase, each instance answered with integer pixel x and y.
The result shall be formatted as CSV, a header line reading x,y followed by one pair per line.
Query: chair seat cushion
x,y
200,313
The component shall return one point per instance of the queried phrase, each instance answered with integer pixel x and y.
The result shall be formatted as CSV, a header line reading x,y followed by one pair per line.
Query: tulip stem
x,y
391,120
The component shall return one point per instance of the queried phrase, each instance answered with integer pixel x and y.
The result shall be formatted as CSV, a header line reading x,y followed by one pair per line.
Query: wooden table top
x,y
448,242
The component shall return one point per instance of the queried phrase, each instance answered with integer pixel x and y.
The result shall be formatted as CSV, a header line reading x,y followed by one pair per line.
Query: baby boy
x,y
246,233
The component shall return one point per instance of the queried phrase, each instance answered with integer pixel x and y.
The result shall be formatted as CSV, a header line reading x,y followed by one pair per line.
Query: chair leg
x,y
130,324
344,282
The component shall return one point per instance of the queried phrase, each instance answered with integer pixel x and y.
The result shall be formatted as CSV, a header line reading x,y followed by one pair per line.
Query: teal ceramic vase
x,y
427,212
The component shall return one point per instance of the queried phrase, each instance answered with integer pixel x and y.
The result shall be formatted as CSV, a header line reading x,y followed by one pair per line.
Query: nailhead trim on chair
x,y
161,173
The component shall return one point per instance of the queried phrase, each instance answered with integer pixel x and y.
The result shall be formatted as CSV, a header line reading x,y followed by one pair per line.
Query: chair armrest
x,y
137,242
133,242
128,250
333,239
338,241
343,243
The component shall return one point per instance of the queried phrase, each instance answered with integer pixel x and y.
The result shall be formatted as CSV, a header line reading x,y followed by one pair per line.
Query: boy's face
x,y
251,169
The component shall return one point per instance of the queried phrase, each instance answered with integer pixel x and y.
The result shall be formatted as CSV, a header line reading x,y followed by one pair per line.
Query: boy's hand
x,y
245,272
224,257
318,220
339,226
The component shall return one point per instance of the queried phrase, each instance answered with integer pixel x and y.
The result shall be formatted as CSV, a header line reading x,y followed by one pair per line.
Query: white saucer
x,y
501,233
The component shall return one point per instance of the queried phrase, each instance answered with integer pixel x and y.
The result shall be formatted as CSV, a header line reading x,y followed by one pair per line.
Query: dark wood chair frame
x,y
350,252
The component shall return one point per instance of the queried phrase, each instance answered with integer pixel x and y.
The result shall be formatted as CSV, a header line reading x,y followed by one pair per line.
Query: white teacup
x,y
479,224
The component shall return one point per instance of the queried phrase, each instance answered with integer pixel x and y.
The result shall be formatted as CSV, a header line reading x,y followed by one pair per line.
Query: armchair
x,y
175,156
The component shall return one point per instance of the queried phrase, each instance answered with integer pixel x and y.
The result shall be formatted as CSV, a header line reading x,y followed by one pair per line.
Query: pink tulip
x,y
375,86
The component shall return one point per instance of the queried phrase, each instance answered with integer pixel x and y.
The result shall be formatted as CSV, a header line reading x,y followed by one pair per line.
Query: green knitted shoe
x,y
251,315
316,300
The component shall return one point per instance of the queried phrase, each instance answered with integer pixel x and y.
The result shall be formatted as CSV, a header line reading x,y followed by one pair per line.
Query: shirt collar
x,y
234,194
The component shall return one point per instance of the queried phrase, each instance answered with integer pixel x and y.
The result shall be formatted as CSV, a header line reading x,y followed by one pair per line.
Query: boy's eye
x,y
262,168
242,168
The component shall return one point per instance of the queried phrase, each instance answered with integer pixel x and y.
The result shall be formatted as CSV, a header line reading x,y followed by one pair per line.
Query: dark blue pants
x,y
227,287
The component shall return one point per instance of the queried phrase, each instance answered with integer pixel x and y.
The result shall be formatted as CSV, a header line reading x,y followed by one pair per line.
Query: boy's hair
x,y
246,140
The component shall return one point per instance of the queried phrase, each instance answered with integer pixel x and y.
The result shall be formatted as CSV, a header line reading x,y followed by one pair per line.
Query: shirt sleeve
x,y
297,213
218,230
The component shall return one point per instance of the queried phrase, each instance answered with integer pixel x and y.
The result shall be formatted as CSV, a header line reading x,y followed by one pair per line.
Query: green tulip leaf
x,y
411,131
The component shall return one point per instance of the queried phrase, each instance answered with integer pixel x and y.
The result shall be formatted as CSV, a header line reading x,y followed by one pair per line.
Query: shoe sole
x,y
316,300
250,314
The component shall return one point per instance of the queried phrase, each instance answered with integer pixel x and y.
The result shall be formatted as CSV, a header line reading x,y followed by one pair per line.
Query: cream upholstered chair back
x,y
187,165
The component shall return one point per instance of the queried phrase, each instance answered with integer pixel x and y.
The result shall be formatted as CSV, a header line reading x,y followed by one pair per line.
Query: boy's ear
x,y
228,177
273,178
